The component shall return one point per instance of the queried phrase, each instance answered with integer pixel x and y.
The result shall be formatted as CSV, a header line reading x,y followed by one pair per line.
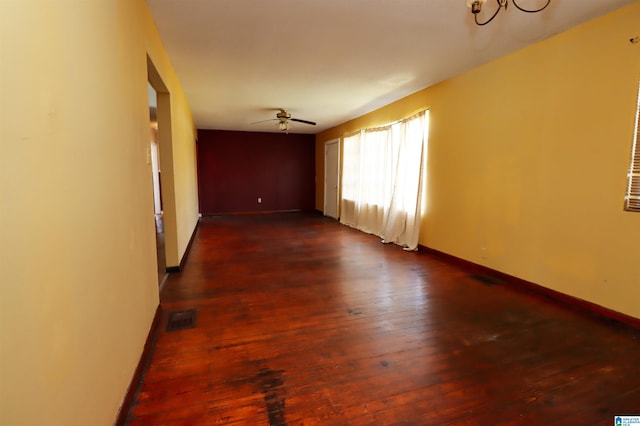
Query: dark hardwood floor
x,y
300,320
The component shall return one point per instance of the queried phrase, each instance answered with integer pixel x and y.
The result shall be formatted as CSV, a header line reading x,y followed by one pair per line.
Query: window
x,y
632,198
382,180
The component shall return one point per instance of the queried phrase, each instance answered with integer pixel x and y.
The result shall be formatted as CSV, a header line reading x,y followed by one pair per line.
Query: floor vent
x,y
181,320
485,279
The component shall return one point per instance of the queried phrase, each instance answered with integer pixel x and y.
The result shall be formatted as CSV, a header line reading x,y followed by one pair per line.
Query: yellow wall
x,y
77,253
527,162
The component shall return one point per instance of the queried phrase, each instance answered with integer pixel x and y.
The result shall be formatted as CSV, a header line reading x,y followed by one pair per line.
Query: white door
x,y
331,177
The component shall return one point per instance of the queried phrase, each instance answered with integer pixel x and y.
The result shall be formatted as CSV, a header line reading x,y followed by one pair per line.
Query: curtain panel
x,y
382,180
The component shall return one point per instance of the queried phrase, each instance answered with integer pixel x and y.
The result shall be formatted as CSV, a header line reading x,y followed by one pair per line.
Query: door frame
x,y
167,184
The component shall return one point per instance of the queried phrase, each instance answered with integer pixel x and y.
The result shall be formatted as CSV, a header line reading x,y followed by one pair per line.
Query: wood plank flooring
x,y
303,321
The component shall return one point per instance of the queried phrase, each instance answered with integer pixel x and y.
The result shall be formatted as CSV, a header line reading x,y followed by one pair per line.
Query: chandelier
x,y
476,6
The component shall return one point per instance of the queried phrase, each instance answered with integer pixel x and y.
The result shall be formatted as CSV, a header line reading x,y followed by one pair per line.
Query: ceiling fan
x,y
284,118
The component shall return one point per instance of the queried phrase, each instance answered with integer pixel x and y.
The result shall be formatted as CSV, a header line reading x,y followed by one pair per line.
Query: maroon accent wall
x,y
235,168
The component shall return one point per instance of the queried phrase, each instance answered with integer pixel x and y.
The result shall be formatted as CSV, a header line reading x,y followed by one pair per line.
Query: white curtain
x,y
382,180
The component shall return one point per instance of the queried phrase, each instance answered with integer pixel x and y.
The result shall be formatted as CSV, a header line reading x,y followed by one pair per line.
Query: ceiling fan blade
x,y
264,121
303,121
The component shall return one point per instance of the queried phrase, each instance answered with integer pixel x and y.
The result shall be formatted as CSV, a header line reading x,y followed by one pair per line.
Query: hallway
x,y
300,320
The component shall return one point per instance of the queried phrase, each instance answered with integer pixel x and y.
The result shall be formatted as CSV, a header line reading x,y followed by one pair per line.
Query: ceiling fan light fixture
x,y
284,120
476,7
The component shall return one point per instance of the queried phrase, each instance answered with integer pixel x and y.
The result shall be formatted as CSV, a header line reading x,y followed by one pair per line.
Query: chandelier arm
x,y
531,11
501,4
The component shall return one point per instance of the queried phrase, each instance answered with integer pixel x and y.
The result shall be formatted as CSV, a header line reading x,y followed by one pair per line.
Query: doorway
x,y
165,160
331,177
154,157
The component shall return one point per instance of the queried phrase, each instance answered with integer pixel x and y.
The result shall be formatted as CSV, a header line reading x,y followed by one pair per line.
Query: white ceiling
x,y
330,61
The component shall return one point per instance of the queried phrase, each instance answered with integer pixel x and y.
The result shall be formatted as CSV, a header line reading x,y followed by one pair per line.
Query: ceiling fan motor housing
x,y
283,115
